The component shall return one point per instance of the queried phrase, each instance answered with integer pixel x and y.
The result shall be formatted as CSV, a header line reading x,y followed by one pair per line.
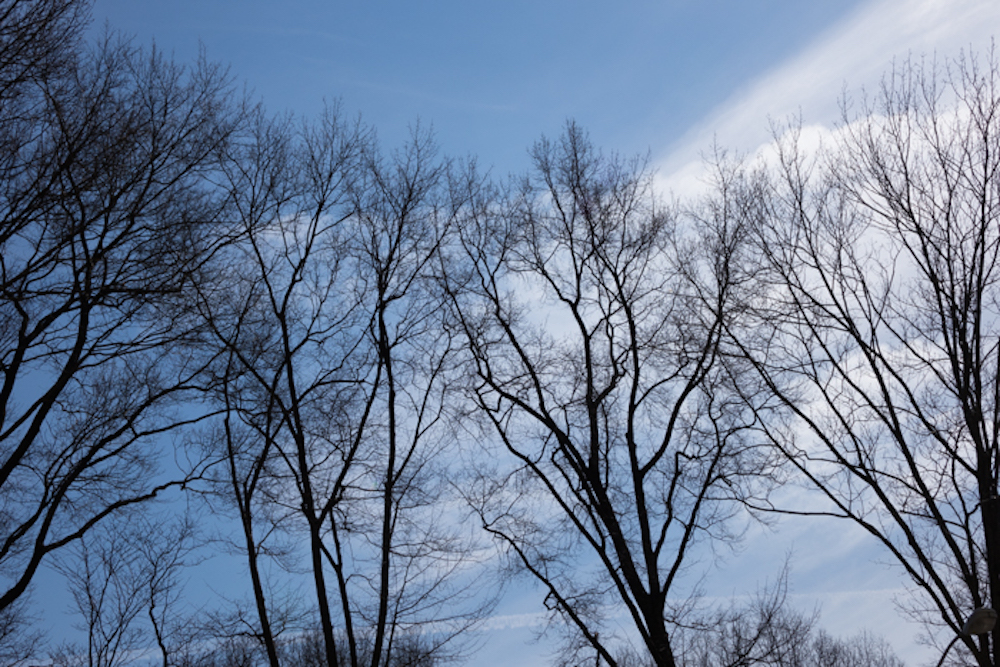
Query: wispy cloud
x,y
851,56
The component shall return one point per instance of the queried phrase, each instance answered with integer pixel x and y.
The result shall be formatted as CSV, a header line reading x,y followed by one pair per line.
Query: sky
x,y
492,77
665,78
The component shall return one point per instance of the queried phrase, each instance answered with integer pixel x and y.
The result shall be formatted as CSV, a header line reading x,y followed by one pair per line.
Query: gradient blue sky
x,y
492,76
666,77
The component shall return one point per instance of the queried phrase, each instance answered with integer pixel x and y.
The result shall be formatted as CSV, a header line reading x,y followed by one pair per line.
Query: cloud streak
x,y
851,56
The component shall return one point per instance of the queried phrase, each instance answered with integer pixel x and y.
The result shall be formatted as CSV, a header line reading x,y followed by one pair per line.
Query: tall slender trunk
x,y
337,564
388,492
246,521
319,579
258,591
990,508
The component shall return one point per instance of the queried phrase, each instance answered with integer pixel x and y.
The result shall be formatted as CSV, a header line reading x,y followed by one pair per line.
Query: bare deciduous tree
x,y
19,641
593,323
405,213
878,330
283,313
336,379
105,214
768,634
125,582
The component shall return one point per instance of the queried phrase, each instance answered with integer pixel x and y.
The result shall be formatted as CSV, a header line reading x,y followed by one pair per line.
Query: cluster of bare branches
x,y
593,316
334,375
309,337
105,214
198,296
877,329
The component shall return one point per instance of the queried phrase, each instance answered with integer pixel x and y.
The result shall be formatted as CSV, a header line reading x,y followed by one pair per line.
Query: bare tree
x,y
39,40
405,208
105,214
279,317
247,454
593,321
767,633
878,330
19,641
335,377
125,583
259,169
165,550
307,650
764,631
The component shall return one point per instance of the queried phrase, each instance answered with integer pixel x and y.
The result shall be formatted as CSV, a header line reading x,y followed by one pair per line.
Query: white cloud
x,y
852,55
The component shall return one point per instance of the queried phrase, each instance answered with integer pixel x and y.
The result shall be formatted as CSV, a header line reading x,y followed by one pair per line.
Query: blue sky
x,y
493,76
665,77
